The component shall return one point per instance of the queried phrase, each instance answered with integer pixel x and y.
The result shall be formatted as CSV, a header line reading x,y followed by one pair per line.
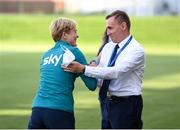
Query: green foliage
x,y
19,68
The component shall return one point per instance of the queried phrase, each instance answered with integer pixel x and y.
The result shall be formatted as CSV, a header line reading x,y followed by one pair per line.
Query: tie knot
x,y
117,46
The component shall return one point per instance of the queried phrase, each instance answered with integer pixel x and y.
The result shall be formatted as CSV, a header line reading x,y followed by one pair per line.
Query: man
x,y
122,74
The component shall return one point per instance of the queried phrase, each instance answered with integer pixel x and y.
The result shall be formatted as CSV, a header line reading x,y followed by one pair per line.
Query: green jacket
x,y
56,85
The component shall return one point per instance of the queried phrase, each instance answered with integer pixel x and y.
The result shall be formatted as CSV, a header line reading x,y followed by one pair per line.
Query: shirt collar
x,y
121,44
61,42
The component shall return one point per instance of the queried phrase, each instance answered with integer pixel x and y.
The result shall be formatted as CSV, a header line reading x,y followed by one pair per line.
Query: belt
x,y
116,98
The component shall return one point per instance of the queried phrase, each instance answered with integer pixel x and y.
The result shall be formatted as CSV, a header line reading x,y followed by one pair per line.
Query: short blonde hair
x,y
61,25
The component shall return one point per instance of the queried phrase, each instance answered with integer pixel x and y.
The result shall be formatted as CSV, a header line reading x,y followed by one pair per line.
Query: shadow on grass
x,y
14,122
19,74
161,110
158,65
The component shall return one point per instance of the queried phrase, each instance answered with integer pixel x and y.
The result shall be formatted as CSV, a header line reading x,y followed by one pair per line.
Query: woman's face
x,y
72,36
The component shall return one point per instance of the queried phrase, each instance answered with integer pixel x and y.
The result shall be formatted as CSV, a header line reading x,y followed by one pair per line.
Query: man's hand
x,y
74,67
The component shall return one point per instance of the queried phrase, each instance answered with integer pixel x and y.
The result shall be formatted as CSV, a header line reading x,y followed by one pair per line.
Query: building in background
x,y
132,7
165,7
31,6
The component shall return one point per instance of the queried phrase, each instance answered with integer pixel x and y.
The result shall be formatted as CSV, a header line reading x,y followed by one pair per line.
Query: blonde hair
x,y
61,25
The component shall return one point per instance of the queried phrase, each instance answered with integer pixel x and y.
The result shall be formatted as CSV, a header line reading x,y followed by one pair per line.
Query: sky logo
x,y
53,59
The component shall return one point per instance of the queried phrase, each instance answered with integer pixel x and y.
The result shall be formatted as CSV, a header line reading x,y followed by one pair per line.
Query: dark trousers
x,y
122,112
44,118
105,124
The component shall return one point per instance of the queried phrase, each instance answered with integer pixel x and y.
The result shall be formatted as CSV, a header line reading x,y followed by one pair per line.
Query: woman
x,y
95,62
53,105
105,40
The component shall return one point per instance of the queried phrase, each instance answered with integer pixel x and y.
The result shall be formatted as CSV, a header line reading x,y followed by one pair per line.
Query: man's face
x,y
114,29
72,37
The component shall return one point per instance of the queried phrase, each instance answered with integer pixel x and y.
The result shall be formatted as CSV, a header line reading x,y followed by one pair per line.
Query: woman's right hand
x,y
93,63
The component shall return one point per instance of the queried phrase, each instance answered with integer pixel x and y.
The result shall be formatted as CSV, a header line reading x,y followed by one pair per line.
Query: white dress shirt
x,y
127,73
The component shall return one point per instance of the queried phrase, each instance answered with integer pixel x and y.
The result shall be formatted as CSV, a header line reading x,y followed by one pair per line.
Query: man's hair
x,y
120,16
59,26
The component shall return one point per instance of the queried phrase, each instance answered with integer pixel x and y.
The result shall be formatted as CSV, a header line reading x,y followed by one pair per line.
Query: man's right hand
x,y
74,67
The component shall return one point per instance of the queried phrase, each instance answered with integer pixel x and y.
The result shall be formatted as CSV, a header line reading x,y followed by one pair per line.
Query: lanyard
x,y
125,45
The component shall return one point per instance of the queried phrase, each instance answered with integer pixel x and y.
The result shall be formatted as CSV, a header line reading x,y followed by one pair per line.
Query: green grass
x,y
24,38
34,28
